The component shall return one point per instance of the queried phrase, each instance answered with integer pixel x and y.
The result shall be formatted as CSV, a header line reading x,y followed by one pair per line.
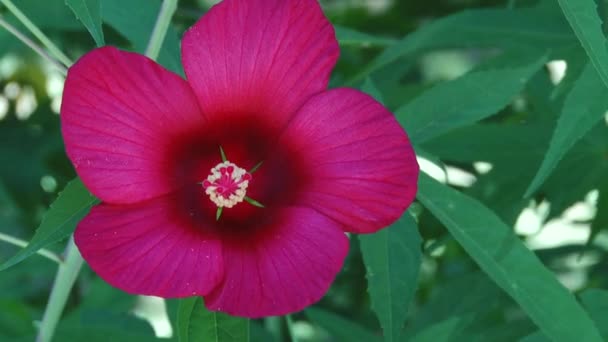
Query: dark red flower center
x,y
194,156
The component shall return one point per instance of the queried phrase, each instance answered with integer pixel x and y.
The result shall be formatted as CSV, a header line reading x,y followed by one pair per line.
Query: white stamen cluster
x,y
236,178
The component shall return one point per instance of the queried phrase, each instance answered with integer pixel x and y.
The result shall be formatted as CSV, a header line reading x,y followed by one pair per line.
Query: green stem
x,y
22,243
39,50
274,325
68,271
290,328
167,10
64,281
37,33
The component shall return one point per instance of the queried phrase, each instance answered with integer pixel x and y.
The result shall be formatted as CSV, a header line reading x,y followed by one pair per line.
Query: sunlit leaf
x,y
464,100
502,28
501,255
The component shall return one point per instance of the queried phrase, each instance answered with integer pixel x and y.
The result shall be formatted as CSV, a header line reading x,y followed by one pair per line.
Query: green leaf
x,y
584,107
465,100
587,25
135,20
457,296
89,13
72,204
340,328
595,302
507,261
446,330
392,259
491,28
347,36
370,88
196,323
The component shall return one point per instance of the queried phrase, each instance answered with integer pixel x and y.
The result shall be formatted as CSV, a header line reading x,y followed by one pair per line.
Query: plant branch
x,y
159,33
62,286
22,243
32,45
53,49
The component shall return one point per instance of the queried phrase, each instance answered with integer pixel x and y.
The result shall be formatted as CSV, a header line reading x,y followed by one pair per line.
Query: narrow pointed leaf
x,y
584,107
508,262
89,13
499,28
196,323
135,20
465,100
587,25
350,37
223,154
392,259
341,329
72,204
253,202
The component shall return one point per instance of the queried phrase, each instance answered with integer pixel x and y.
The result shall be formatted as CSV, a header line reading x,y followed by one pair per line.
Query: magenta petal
x,y
362,167
147,249
283,269
259,57
119,113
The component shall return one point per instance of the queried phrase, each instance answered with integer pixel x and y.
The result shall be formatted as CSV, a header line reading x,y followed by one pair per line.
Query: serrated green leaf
x,y
507,261
584,107
587,25
72,204
196,323
135,19
340,328
500,28
89,13
347,36
465,100
392,260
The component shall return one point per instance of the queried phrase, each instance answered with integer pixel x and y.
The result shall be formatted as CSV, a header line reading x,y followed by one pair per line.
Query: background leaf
x,y
89,13
508,262
465,100
584,107
392,259
72,204
587,25
196,323
340,328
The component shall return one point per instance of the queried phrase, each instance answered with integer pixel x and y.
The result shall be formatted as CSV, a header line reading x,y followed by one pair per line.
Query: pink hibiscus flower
x,y
165,154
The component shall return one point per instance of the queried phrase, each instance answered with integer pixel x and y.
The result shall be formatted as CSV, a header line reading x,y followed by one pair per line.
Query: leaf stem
x,y
274,325
62,286
53,49
167,10
290,328
32,45
22,243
